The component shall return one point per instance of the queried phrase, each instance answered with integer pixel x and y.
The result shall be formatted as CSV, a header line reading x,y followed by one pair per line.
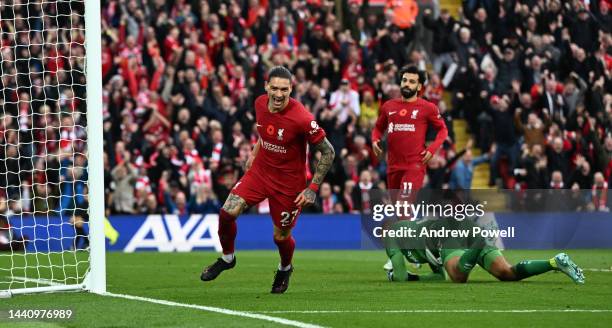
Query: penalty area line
x,y
440,311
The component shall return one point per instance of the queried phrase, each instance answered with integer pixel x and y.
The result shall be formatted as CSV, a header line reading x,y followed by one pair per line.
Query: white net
x,y
43,161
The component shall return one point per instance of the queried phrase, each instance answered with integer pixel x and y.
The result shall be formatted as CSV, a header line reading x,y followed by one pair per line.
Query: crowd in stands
x,y
533,82
531,77
42,96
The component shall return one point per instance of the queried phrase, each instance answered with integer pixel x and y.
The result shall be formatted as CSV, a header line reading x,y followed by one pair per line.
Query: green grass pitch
x,y
328,288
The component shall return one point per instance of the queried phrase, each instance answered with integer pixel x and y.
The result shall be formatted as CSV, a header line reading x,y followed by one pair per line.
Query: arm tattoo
x,y
234,204
310,195
326,161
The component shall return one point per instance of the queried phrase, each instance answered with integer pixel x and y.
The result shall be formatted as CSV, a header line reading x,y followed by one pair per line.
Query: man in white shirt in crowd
x,y
346,101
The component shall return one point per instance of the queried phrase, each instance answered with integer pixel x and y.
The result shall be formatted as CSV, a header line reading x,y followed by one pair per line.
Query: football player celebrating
x,y
276,171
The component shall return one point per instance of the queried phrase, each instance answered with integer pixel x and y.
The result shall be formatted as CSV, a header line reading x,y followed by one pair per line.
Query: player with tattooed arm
x,y
277,171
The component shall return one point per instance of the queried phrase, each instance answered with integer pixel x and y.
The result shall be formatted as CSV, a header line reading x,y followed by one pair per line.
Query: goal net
x,y
50,147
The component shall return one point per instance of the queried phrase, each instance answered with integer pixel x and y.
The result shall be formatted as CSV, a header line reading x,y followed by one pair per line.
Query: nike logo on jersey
x,y
391,113
257,125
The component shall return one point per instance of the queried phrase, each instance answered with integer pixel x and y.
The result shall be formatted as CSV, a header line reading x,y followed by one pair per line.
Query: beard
x,y
408,93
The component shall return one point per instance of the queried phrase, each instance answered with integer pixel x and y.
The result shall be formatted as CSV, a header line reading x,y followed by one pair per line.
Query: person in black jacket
x,y
583,175
443,29
504,135
558,157
583,30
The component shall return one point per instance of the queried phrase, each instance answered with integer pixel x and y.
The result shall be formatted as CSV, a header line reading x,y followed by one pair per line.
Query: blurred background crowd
x,y
531,78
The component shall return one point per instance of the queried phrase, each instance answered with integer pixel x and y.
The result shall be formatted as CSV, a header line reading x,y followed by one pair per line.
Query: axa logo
x,y
168,234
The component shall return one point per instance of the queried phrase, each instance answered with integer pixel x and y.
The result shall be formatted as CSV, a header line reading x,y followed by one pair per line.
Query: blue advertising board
x,y
171,233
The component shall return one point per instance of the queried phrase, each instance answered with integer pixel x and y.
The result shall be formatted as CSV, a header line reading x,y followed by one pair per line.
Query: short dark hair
x,y
412,69
281,72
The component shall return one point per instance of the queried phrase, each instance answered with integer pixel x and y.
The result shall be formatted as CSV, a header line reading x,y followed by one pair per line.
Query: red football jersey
x,y
406,125
284,137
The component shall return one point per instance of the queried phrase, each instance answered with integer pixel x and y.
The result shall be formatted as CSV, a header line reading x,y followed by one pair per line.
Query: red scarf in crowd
x,y
600,195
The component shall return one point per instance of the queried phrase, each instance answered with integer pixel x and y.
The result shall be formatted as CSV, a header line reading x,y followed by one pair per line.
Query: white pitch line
x,y
597,270
441,311
281,321
252,315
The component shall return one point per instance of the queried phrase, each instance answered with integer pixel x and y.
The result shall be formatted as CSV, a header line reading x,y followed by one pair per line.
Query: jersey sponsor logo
x,y
270,130
280,134
274,148
403,112
401,127
414,114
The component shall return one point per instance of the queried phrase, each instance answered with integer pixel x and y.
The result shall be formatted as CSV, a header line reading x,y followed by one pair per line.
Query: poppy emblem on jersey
x,y
414,114
270,130
280,134
403,112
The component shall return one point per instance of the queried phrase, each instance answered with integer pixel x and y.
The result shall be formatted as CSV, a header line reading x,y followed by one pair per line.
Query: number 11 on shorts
x,y
407,187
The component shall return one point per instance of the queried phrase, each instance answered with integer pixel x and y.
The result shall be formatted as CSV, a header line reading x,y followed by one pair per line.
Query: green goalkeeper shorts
x,y
486,257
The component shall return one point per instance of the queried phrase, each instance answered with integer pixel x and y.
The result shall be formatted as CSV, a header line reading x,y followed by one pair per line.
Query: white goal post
x,y
96,281
51,147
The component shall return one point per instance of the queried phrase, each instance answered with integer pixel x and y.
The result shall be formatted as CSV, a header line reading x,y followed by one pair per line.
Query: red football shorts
x,y
406,183
254,189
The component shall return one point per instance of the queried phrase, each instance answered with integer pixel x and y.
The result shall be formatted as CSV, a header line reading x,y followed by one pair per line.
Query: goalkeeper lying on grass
x,y
458,256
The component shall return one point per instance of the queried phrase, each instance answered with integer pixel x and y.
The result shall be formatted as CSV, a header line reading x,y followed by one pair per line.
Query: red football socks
x,y
227,231
285,249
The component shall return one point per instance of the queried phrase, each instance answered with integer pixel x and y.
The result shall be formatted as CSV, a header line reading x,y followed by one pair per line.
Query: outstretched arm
x,y
307,197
